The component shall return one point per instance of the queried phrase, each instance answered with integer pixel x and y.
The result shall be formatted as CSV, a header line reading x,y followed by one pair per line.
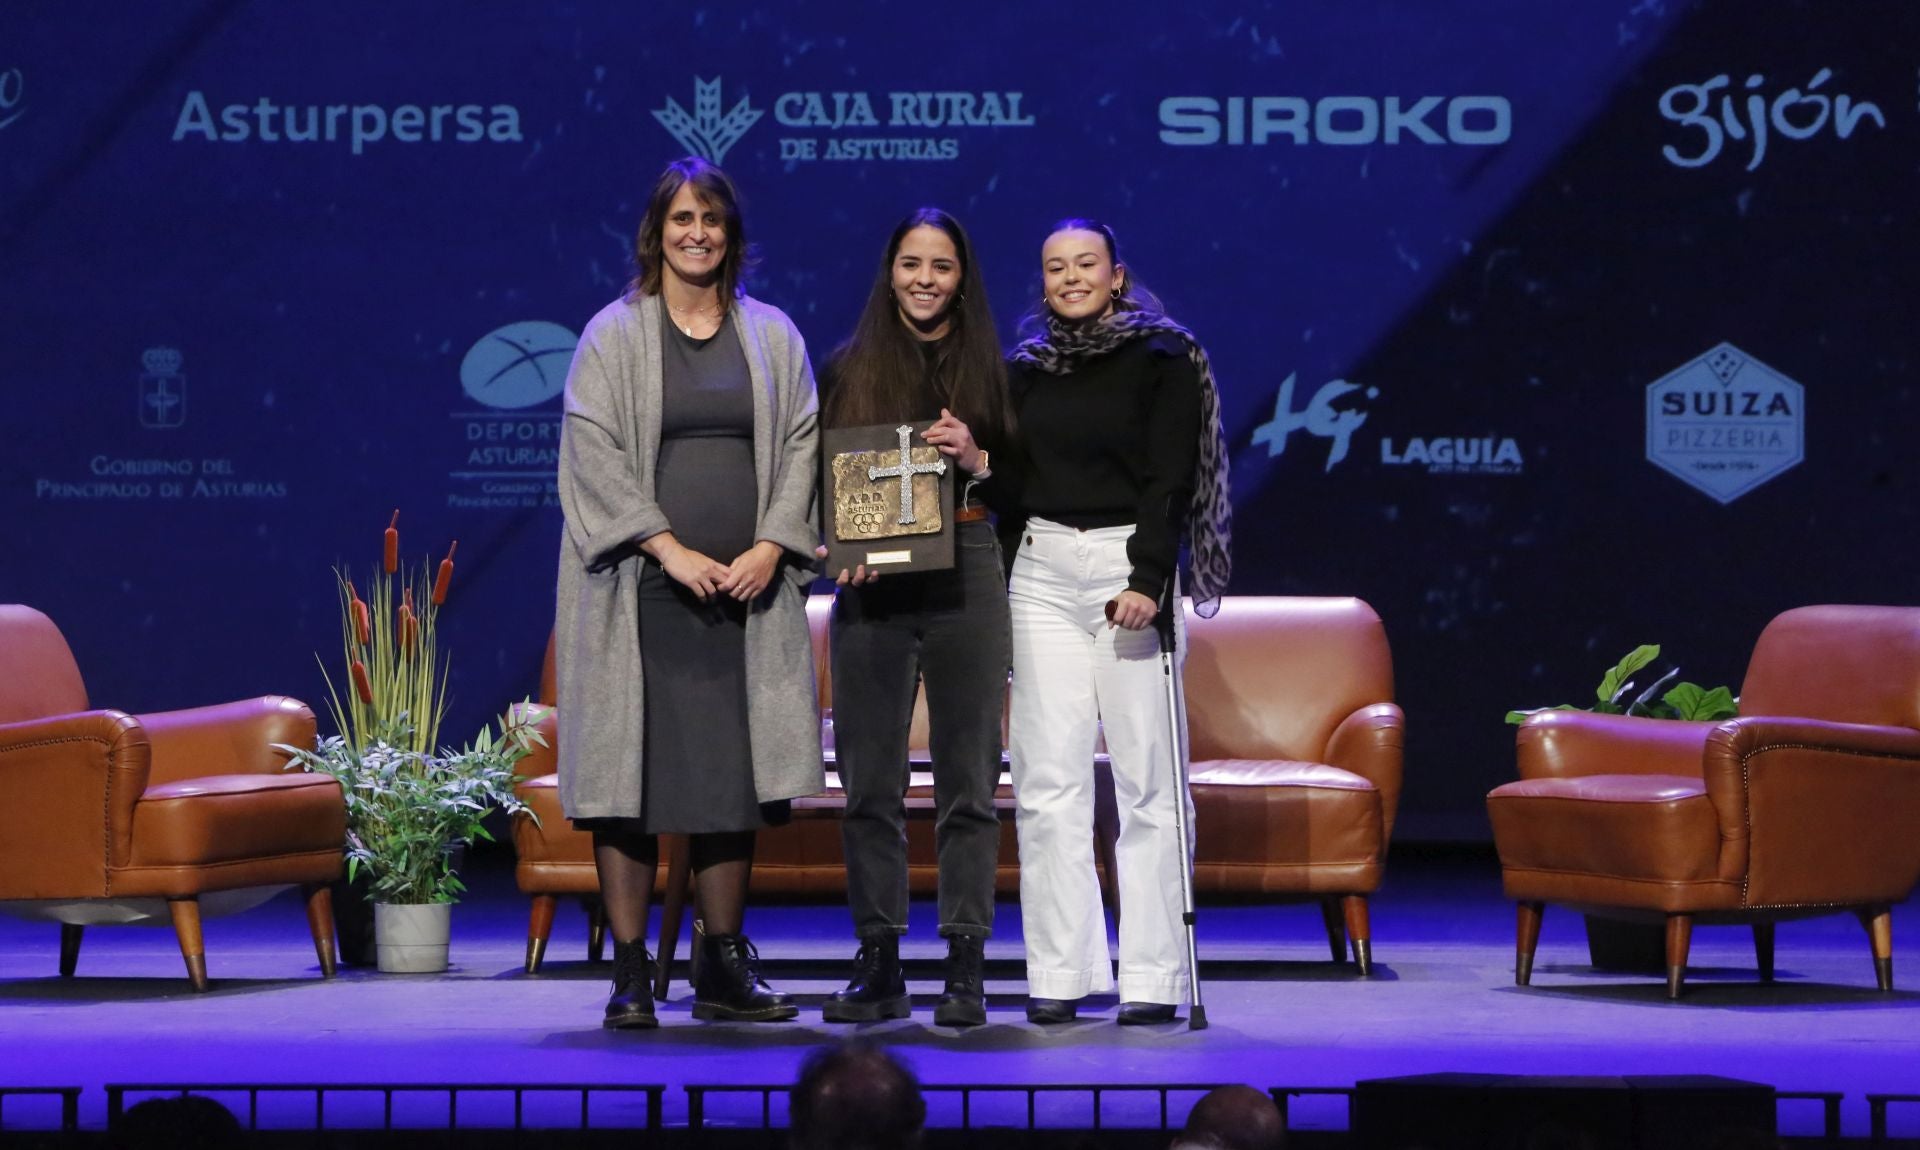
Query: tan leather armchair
x,y
114,817
1805,805
1296,749
554,861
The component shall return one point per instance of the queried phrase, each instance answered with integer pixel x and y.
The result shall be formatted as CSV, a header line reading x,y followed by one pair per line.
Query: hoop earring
x,y
1114,293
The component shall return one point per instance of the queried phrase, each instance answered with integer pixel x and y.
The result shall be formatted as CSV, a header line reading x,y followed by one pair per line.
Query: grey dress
x,y
697,763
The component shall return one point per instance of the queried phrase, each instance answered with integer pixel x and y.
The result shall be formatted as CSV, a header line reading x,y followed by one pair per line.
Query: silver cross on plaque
x,y
906,469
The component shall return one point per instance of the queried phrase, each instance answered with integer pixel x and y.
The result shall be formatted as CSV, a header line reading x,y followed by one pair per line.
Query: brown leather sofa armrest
x,y
71,783
1570,744
227,738
1370,743
540,760
1807,780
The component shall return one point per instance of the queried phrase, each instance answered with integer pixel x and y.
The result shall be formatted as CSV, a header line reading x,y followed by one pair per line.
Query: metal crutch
x,y
1163,626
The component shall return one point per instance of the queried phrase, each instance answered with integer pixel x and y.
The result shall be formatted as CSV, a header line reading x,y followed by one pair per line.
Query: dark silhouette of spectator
x,y
180,1122
856,1096
1233,1118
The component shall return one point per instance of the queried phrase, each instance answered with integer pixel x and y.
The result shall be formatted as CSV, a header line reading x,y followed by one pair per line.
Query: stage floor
x,y
1441,999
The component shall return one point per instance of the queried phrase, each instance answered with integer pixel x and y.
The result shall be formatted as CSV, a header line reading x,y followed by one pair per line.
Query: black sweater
x,y
1111,444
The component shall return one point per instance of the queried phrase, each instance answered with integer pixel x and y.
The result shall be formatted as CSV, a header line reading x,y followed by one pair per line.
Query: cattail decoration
x,y
362,685
444,577
409,626
362,624
392,552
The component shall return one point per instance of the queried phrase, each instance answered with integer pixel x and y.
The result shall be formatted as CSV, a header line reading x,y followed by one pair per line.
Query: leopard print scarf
x,y
1209,528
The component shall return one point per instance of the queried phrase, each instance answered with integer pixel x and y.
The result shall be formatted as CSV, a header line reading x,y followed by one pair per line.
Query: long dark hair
x,y
877,373
1134,295
713,189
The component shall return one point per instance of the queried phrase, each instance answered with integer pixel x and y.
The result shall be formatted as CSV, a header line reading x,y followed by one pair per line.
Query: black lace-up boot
x,y
878,989
964,1002
729,987
631,1005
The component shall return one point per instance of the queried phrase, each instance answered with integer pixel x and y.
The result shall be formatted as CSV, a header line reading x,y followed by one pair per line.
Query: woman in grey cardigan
x,y
685,669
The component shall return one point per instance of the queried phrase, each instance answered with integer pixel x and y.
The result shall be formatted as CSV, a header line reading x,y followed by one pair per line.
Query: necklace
x,y
697,310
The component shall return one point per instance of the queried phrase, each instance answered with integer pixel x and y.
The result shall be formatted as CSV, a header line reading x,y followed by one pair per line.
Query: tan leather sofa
x,y
1805,805
117,818
1296,748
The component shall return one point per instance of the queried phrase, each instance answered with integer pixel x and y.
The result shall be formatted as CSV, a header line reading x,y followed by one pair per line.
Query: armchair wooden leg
x,y
1336,928
70,948
1360,931
1763,949
672,907
539,930
1526,938
1879,923
320,925
1679,941
193,948
596,930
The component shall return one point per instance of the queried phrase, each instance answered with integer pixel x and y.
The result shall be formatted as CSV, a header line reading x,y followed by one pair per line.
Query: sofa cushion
x,y
1650,841
224,818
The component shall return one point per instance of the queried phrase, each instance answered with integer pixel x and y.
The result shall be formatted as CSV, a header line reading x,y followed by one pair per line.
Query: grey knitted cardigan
x,y
609,443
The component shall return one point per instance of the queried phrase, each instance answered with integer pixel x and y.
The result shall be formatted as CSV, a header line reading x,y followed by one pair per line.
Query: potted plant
x,y
412,804
1611,943
1615,695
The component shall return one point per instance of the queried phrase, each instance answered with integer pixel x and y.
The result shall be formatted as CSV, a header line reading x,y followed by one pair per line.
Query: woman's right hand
x,y
696,572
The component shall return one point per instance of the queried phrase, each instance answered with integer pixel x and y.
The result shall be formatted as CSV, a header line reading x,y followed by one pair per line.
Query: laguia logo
x,y
1793,114
707,133
13,92
1486,455
359,124
163,390
1320,417
1351,121
1725,423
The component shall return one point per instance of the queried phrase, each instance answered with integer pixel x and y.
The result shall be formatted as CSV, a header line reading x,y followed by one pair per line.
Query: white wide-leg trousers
x,y
1073,674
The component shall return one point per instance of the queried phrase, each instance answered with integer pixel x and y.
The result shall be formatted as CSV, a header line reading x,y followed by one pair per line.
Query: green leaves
x,y
409,810
1618,679
1620,693
1693,702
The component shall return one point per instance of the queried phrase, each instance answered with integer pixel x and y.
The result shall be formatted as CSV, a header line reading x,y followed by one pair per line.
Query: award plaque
x,y
889,499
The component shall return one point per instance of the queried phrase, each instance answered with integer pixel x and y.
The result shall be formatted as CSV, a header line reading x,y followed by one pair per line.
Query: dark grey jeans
x,y
950,628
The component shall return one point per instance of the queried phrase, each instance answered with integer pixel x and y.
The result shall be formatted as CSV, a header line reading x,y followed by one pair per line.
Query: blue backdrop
x,y
1547,329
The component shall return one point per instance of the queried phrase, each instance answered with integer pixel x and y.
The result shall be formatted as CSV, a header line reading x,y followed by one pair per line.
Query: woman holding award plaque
x,y
924,349
1123,457
687,461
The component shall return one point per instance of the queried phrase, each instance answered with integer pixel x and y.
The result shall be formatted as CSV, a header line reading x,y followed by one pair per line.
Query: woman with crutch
x,y
1123,457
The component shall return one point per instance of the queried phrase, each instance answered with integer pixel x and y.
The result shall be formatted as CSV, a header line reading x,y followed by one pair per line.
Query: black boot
x,y
729,987
964,1002
878,989
631,1006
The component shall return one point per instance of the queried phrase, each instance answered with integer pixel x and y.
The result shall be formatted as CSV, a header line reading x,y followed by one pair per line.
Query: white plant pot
x,y
412,938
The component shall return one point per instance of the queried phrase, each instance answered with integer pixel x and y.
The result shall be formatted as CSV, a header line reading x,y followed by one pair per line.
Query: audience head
x,y
1234,1118
856,1096
180,1121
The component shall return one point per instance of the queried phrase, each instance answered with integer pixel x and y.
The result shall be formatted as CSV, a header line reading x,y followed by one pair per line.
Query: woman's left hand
x,y
954,440
1132,611
749,575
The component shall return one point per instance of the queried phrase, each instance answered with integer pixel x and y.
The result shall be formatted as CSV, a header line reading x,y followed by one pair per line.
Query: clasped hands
x,y
743,579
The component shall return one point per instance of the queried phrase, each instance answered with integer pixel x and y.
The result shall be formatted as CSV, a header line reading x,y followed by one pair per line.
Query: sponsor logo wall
x,y
1634,286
